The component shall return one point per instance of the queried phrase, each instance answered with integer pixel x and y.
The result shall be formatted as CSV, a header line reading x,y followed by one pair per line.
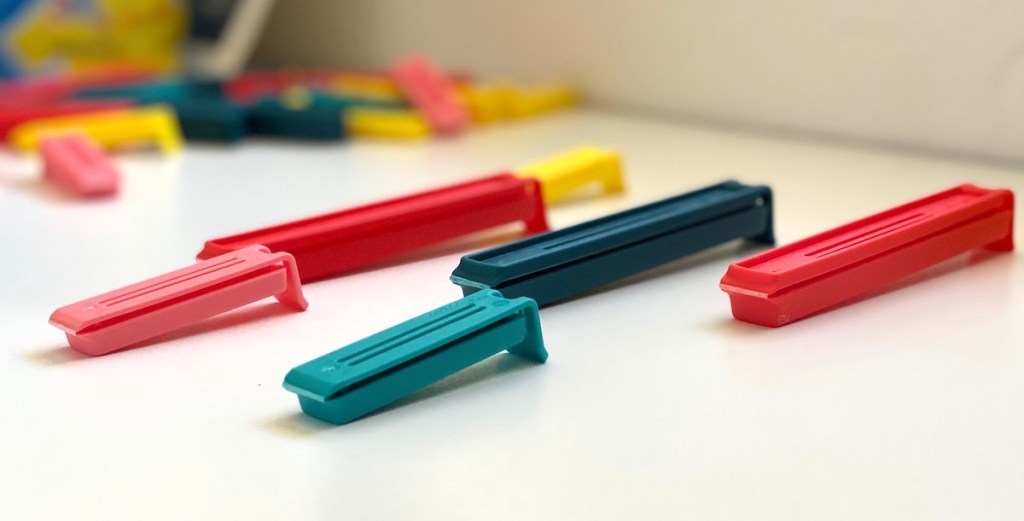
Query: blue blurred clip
x,y
360,378
561,264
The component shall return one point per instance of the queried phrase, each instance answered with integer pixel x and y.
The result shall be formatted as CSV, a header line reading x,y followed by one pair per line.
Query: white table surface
x,y
654,404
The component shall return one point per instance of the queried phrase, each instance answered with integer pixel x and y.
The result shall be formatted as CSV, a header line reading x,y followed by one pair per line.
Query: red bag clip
x,y
344,241
797,280
15,113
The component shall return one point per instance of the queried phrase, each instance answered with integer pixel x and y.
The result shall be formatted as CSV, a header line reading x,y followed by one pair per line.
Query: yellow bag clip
x,y
386,123
561,175
522,102
112,129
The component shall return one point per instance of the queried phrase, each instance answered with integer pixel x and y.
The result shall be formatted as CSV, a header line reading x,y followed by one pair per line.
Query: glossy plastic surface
x,y
797,280
344,241
568,262
77,164
432,94
156,125
360,378
564,174
124,317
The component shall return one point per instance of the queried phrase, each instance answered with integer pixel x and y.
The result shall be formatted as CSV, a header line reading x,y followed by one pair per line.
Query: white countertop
x,y
654,404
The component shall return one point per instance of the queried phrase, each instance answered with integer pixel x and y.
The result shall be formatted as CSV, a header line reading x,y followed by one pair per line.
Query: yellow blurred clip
x,y
368,86
486,103
522,102
561,175
112,129
501,101
386,123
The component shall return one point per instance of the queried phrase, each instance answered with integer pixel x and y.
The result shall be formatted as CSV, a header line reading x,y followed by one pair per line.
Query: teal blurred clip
x,y
272,117
204,113
306,114
211,119
358,379
158,91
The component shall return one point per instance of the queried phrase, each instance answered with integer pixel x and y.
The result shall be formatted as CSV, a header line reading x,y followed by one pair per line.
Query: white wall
x,y
937,74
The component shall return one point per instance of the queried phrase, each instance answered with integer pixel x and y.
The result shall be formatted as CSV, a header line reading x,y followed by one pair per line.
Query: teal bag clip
x,y
360,378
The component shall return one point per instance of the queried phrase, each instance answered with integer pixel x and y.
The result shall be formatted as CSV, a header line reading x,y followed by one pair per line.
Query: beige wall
x,y
935,74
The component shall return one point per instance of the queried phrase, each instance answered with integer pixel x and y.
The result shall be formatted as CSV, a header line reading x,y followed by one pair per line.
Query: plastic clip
x,y
50,89
529,101
274,117
203,111
162,91
362,377
371,86
432,94
344,241
214,119
76,163
122,318
15,113
154,124
567,262
562,175
797,280
386,124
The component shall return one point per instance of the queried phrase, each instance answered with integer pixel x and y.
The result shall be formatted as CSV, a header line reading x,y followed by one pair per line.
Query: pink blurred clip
x,y
119,319
431,93
76,162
